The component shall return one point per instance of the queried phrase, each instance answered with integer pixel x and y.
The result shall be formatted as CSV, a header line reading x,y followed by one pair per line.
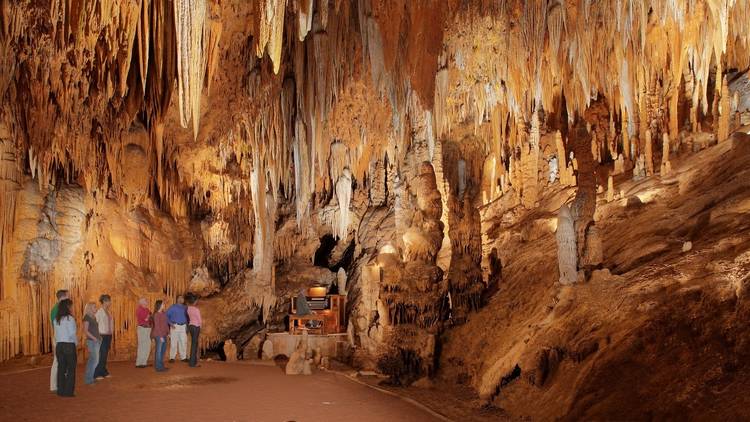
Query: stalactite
x,y
272,30
143,41
191,33
304,17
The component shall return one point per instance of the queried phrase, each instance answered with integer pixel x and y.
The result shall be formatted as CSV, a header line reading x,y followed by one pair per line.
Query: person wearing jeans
x,y
194,327
143,316
159,333
93,341
177,317
106,325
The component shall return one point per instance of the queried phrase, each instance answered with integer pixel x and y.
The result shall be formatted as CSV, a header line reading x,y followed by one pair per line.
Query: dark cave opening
x,y
323,253
322,256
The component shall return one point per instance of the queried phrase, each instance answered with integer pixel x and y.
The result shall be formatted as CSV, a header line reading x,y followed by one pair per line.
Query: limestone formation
x,y
567,252
299,363
594,254
230,351
648,155
619,165
553,170
640,170
666,165
202,284
724,111
341,281
267,350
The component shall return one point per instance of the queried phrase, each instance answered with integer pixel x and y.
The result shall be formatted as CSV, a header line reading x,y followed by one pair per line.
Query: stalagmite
x,y
567,254
725,112
666,165
344,197
530,164
341,281
648,154
619,165
610,189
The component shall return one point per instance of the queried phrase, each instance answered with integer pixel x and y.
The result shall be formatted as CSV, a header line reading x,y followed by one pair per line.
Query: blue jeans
x,y
161,349
93,346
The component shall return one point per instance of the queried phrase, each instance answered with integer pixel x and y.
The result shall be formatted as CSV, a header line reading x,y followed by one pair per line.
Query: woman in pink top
x,y
159,332
194,327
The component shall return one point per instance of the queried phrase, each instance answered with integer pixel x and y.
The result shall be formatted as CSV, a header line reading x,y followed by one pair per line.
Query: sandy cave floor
x,y
217,391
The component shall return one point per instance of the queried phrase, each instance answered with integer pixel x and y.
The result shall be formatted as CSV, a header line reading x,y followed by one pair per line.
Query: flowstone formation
x,y
418,156
412,290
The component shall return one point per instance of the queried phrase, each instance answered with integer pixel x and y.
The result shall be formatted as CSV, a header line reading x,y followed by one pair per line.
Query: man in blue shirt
x,y
177,317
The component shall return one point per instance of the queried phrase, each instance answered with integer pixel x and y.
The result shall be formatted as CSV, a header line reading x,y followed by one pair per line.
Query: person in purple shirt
x,y
177,317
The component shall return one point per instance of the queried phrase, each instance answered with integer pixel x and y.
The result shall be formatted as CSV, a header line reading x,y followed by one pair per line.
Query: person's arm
x,y
170,316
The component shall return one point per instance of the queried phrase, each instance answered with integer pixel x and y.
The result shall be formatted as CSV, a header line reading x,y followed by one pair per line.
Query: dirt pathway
x,y
216,391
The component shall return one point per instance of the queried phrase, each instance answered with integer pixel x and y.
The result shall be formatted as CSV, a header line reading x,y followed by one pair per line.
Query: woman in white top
x,y
65,350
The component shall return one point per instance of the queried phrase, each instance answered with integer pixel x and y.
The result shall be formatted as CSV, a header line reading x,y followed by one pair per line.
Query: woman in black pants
x,y
65,350
194,327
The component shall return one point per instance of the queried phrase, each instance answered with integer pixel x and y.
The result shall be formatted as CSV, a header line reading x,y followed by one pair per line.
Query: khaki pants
x,y
178,342
53,372
144,346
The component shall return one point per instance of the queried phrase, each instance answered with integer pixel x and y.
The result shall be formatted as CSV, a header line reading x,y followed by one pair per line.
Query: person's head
x,y
61,294
143,302
90,308
158,305
106,301
64,309
191,299
180,299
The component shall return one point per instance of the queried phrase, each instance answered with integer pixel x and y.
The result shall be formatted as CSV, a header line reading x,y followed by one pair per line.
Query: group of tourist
x,y
98,327
174,323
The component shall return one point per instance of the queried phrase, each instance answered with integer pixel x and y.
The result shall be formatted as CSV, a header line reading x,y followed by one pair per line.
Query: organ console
x,y
328,313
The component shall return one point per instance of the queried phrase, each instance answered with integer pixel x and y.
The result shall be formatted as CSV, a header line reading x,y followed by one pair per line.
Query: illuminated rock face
x,y
244,149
